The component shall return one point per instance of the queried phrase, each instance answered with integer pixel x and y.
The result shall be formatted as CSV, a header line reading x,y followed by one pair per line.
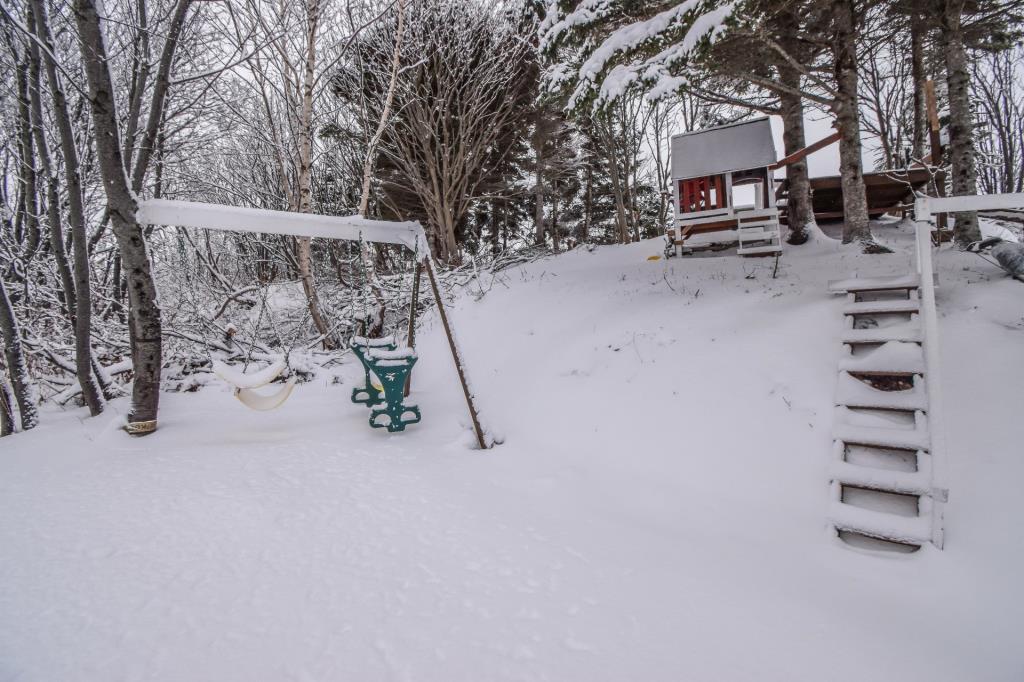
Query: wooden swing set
x,y
391,364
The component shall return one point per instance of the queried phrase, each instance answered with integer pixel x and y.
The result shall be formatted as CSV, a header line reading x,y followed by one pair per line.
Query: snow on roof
x,y
732,147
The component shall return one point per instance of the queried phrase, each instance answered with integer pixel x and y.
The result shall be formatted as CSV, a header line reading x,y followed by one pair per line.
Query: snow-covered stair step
x,y
910,530
882,437
903,332
750,235
880,307
857,284
852,392
903,482
753,250
894,358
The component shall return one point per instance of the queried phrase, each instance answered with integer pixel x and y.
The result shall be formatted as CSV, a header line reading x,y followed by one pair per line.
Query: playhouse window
x,y
701,194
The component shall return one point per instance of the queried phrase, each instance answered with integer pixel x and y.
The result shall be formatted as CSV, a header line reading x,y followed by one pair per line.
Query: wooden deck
x,y
886,191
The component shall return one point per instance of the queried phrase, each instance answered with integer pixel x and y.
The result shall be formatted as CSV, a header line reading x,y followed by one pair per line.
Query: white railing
x,y
925,207
933,378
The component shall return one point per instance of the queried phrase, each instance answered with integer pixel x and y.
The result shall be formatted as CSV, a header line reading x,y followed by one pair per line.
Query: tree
x,y
459,89
144,324
80,293
14,355
681,47
960,23
997,83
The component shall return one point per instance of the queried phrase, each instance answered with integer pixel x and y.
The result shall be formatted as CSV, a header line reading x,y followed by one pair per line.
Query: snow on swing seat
x,y
245,385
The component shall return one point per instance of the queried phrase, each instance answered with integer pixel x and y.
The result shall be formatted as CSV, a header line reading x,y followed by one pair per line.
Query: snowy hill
x,y
657,511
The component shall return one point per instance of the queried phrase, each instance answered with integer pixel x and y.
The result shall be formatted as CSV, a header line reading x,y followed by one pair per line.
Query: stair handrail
x,y
933,381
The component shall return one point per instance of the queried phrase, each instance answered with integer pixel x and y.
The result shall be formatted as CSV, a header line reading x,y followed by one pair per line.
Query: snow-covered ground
x,y
657,511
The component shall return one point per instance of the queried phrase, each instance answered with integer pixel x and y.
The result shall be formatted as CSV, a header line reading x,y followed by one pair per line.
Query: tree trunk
x,y
621,228
304,253
799,209
845,108
82,315
161,86
918,30
538,188
24,390
377,329
555,242
620,209
6,408
961,127
588,205
56,230
27,171
144,324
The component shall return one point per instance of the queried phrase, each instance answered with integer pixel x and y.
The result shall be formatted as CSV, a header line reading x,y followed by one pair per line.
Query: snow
x,y
624,42
401,353
841,286
658,510
892,356
373,343
912,530
908,331
913,482
243,219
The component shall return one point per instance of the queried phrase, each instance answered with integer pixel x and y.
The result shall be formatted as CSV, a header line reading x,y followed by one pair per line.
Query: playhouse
x,y
707,166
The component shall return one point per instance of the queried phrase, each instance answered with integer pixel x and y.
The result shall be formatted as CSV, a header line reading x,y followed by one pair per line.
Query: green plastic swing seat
x,y
368,394
391,365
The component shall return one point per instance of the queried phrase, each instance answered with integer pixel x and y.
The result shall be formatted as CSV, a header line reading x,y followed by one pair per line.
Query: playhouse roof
x,y
732,147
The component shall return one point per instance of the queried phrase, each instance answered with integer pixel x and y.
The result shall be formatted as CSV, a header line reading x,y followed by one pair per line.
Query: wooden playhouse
x,y
707,166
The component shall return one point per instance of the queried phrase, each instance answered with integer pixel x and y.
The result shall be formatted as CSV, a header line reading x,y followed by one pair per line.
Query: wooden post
x,y
410,337
936,148
455,355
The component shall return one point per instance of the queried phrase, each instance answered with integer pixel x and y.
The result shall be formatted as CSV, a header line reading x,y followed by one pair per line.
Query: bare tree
x,y
81,315
144,321
14,355
454,98
997,84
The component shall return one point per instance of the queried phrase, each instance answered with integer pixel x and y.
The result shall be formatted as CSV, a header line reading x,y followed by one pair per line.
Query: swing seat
x,y
391,366
370,393
262,402
244,385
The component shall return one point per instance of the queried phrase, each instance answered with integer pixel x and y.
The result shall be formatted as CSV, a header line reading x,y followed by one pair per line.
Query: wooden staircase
x,y
886,450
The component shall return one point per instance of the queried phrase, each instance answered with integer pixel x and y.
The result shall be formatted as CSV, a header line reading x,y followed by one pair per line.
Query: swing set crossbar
x,y
264,221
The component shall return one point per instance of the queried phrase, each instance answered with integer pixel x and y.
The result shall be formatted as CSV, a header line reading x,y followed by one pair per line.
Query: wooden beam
x,y
456,356
410,337
809,149
935,158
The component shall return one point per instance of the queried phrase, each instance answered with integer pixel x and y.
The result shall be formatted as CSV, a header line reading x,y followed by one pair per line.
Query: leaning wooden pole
x,y
410,337
456,356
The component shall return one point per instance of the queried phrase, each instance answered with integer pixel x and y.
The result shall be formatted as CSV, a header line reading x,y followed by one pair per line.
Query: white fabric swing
x,y
245,384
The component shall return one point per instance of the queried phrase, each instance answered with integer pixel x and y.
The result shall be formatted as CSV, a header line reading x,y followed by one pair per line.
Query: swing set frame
x,y
409,234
